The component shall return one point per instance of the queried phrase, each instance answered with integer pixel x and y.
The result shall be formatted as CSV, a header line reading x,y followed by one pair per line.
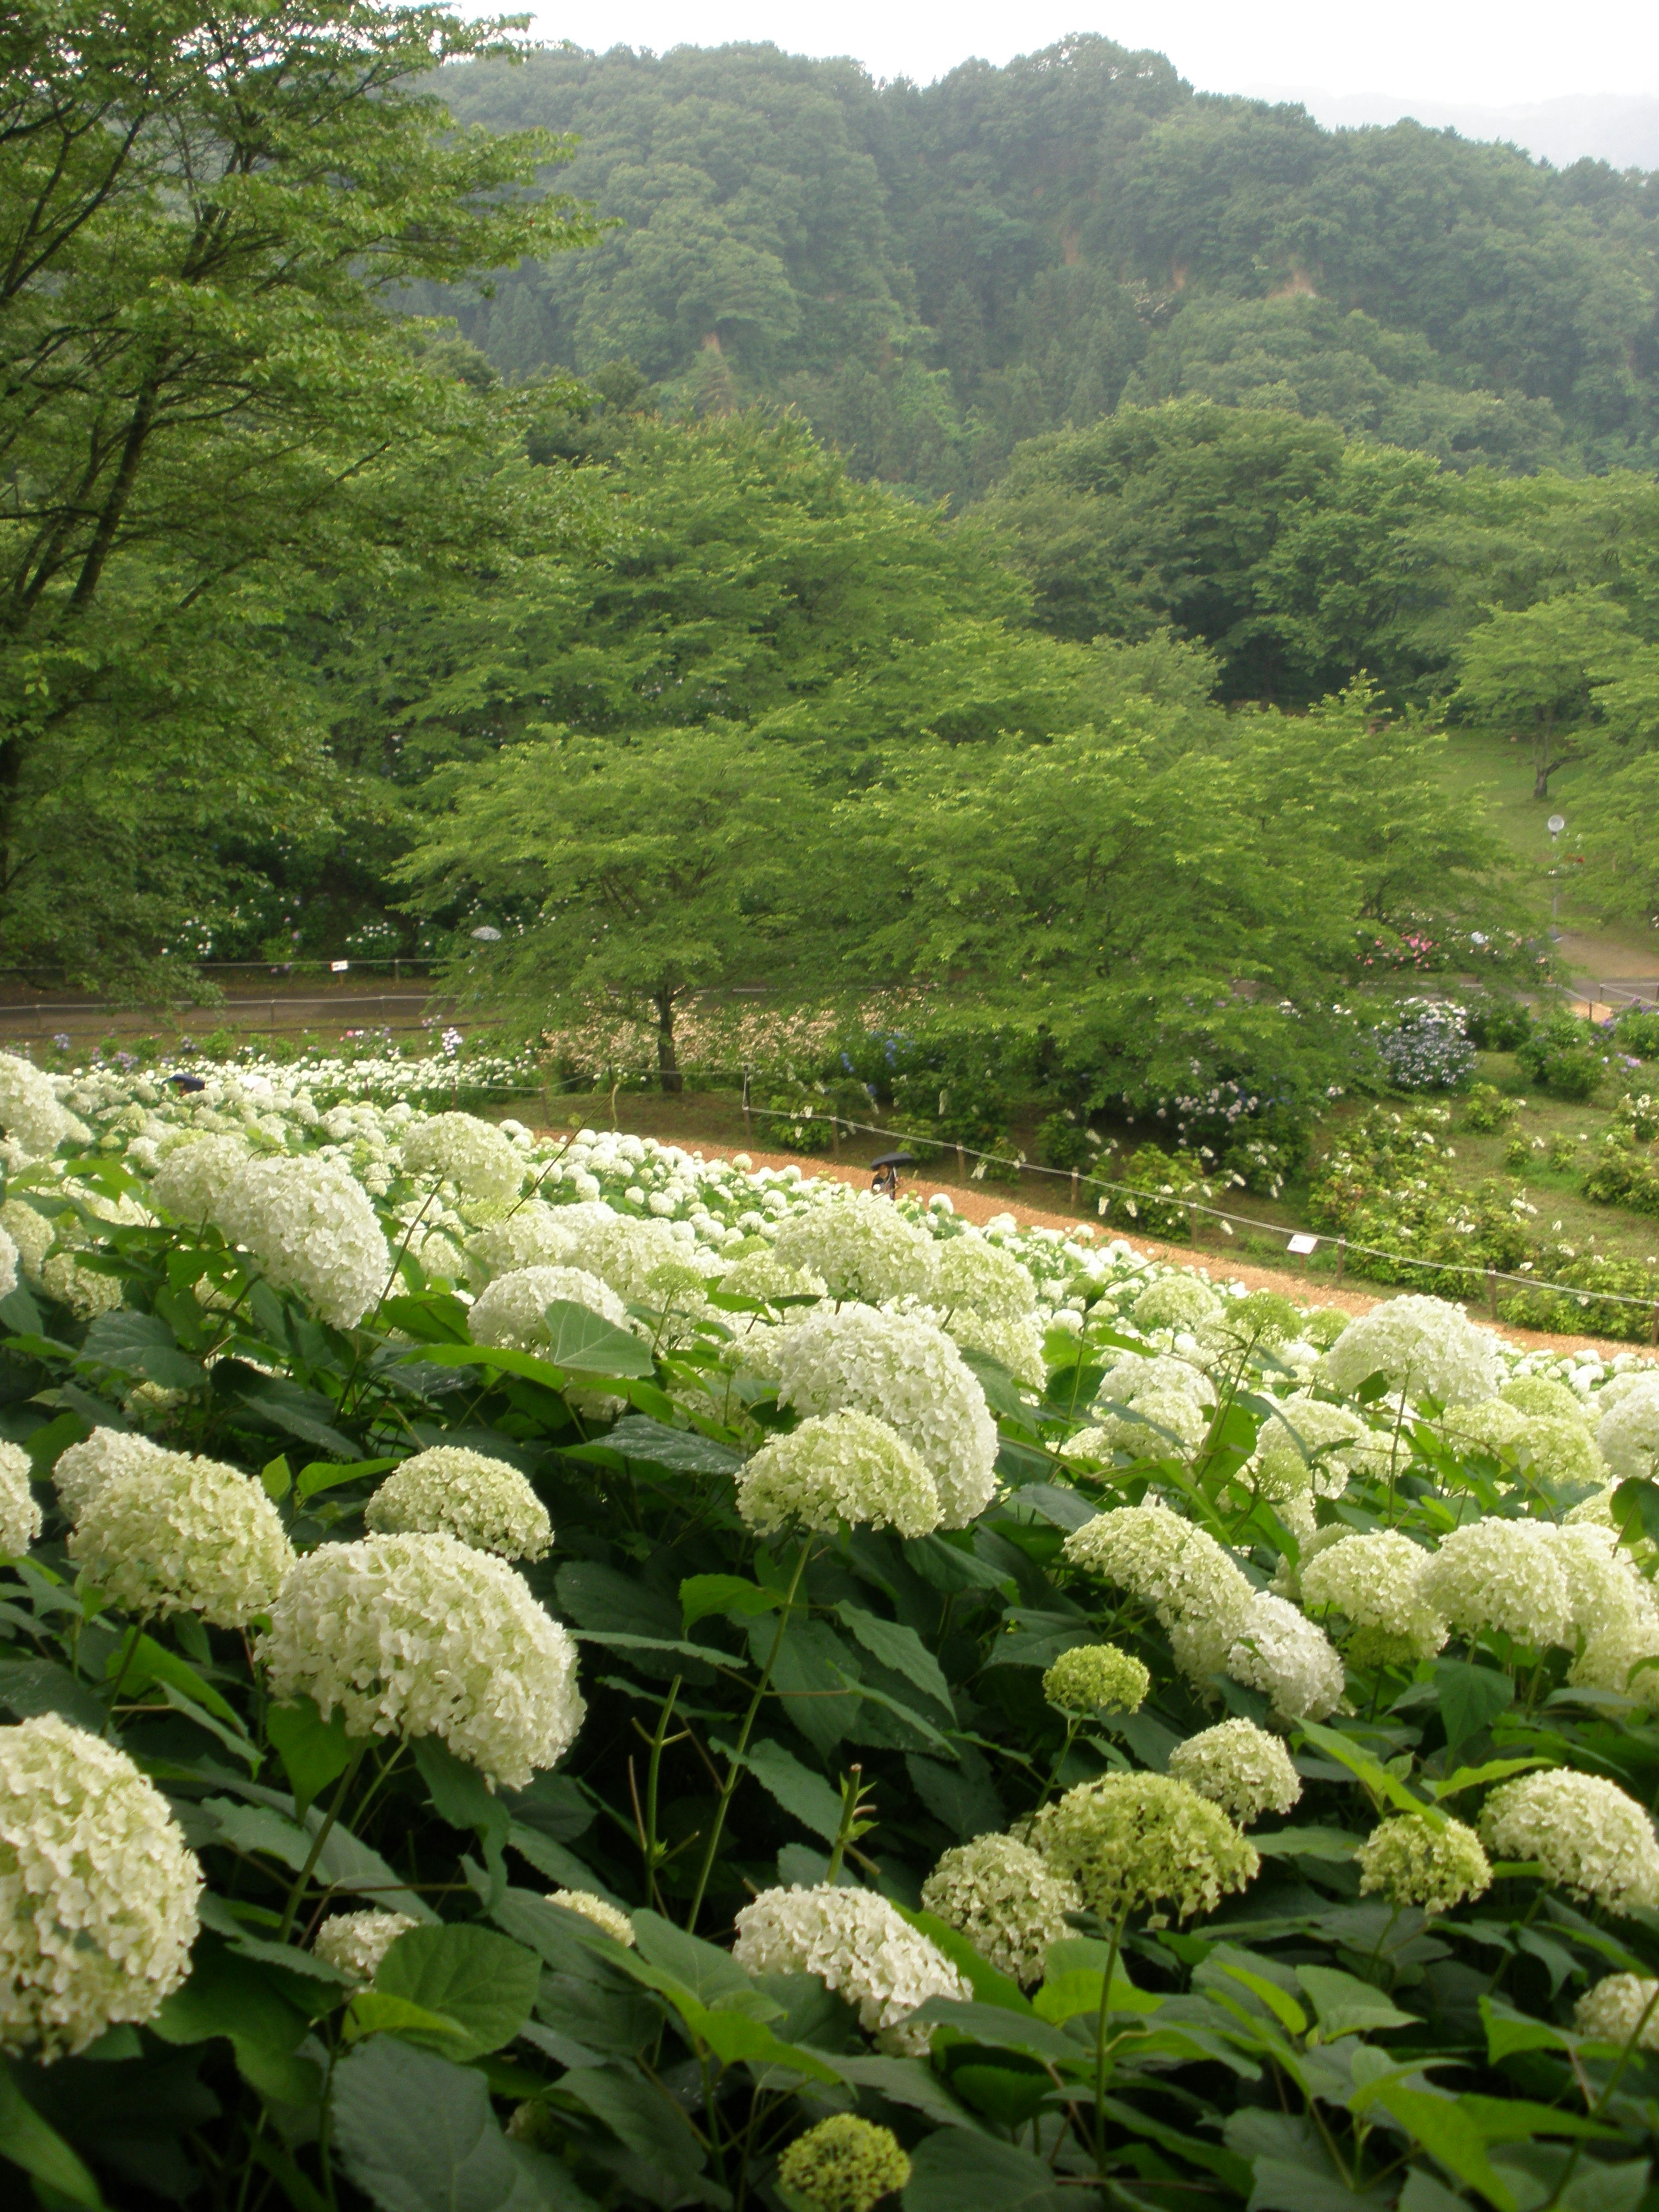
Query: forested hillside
x,y
934,274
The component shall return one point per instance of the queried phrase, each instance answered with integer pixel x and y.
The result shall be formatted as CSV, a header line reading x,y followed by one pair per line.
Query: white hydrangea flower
x,y
309,1224
763,1275
1542,1394
1620,2008
457,1492
1628,1435
1499,1575
857,1945
1158,1424
969,1271
30,1233
1279,1651
1559,1450
1604,1587
1491,1427
533,1235
1136,1373
86,1292
413,1636
1175,1302
20,1515
862,1247
511,1314
1374,1581
1197,1593
1240,1767
1006,1899
1424,1346
195,1174
175,1533
356,1942
1623,1657
1016,1341
97,1891
603,1914
82,1469
458,1148
1587,1836
1308,1445
907,1372
835,1467
9,1263
30,1110
629,1255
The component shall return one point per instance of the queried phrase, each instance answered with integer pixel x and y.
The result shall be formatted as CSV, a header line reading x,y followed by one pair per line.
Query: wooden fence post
x,y
1074,1173
1341,1255
1492,1292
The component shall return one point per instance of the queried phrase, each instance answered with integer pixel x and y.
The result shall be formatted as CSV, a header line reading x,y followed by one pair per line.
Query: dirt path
x,y
981,1208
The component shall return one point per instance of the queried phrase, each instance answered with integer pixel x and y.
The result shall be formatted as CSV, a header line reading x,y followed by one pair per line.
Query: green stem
x,y
734,1765
1102,2048
850,1789
290,1910
127,1658
1601,2102
658,1737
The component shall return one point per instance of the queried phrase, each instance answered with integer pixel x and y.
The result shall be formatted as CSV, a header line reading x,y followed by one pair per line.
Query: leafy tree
x,y
1538,666
207,403
636,872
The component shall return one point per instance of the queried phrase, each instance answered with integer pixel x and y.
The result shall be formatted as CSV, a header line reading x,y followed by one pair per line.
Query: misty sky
x,y
1493,51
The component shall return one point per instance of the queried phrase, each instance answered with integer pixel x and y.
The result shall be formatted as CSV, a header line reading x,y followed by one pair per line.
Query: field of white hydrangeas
x,y
558,1674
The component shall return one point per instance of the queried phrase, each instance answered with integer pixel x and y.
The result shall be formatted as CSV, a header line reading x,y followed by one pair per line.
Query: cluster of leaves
x,y
858,1700
1389,1180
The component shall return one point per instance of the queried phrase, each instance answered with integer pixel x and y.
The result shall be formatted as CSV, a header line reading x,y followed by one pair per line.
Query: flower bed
x,y
567,1674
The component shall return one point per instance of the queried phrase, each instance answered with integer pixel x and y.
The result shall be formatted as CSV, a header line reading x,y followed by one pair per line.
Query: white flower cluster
x,y
1499,1576
1374,1581
1307,1444
971,1272
194,1175
1628,1433
1584,1834
862,1249
511,1315
1425,1346
97,1891
20,1515
837,1467
172,1534
1621,2009
1005,1899
82,1469
904,1371
414,1635
603,1914
1176,1303
310,1226
31,1112
450,1491
1196,1592
1279,1652
857,1945
483,1165
1240,1767
356,1942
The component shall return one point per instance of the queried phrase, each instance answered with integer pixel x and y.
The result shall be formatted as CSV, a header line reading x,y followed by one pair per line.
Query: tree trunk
x,y
668,1067
1542,763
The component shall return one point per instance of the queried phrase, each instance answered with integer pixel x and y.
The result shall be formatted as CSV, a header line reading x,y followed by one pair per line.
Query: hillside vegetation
x,y
933,274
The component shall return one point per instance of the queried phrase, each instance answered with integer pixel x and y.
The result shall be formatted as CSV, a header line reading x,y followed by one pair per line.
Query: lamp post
x,y
1555,825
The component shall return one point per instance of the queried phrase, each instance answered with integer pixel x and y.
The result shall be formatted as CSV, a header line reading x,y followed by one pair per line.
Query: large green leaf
x,y
902,1650
952,2171
40,2150
142,1344
416,2134
483,1982
807,1796
1470,1697
687,1452
238,1999
313,1750
582,1342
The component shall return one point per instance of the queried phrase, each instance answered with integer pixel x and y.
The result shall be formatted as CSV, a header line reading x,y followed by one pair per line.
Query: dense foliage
x,y
935,273
571,1676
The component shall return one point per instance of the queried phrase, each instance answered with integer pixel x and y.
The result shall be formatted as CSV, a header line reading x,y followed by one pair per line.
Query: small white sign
x,y
338,967
1303,1245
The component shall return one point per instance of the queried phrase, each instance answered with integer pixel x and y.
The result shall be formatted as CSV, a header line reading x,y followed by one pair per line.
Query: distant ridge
x,y
1619,129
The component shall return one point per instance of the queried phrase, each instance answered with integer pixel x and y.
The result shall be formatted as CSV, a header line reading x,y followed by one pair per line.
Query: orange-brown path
x,y
981,1206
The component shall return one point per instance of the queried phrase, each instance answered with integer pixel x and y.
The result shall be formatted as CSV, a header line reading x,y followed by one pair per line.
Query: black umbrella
x,y
187,1082
895,1160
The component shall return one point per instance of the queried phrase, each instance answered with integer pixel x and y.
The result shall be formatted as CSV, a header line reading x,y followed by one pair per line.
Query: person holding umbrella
x,y
886,1179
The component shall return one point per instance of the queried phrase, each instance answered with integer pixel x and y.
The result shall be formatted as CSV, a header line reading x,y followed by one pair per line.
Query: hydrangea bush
x,y
550,1671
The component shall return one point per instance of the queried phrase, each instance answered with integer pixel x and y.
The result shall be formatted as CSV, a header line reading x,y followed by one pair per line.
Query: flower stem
x,y
291,1908
734,1763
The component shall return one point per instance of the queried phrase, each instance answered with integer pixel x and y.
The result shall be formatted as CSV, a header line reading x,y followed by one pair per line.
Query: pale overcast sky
x,y
1463,50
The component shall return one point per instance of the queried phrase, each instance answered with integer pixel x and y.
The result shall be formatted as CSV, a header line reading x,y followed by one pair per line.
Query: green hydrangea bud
x,y
1414,1864
1094,1677
844,2164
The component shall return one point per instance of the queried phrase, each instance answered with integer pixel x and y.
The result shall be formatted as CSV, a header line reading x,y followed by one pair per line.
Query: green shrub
x,y
1566,1055
1497,1025
1066,1140
1487,1111
1637,1032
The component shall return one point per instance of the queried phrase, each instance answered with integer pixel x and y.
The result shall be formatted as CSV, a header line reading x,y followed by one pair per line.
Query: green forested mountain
x,y
934,274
